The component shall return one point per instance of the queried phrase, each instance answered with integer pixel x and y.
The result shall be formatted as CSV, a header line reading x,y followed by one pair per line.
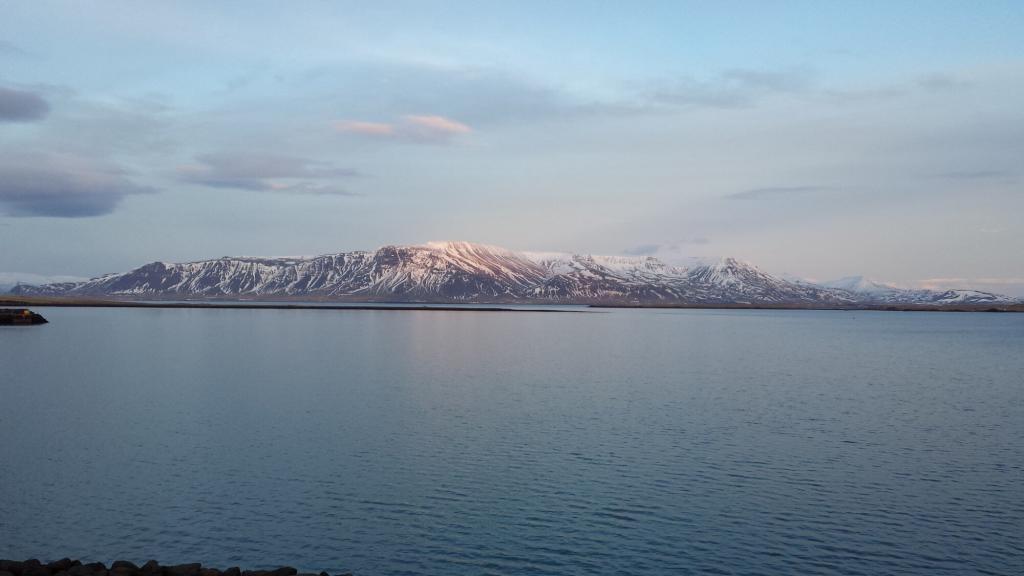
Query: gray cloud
x,y
61,186
735,88
376,91
778,192
265,173
935,83
22,105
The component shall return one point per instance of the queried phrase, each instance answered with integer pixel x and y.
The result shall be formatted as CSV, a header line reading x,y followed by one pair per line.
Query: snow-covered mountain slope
x,y
467,272
861,285
874,292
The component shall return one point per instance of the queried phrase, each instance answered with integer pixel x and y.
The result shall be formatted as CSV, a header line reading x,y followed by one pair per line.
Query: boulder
x,y
34,567
62,565
11,567
191,569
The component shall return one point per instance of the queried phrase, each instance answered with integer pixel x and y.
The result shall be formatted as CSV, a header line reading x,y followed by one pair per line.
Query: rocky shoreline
x,y
69,567
20,317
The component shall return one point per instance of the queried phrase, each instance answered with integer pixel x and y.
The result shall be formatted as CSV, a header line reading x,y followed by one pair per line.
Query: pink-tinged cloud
x,y
423,129
437,124
367,128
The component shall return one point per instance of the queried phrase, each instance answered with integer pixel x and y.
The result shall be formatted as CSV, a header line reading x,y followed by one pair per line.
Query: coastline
x,y
58,302
69,567
859,308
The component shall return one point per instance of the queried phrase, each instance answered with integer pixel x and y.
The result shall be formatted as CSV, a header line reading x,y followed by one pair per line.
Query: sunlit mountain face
x,y
469,272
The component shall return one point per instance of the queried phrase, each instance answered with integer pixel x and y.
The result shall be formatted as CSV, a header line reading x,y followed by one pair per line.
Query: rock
x,y
62,565
90,569
68,567
34,567
183,569
11,566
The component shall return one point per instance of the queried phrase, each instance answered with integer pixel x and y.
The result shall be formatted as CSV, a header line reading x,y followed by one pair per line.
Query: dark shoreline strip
x,y
864,308
448,307
69,567
42,303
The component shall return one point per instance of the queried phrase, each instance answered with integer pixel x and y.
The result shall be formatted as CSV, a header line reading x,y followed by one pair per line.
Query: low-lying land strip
x,y
58,301
68,567
246,305
852,307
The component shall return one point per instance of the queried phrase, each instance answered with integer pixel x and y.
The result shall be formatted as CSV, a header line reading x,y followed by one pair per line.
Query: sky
x,y
815,139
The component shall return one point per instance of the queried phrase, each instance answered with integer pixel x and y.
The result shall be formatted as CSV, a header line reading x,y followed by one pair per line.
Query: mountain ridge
x,y
478,273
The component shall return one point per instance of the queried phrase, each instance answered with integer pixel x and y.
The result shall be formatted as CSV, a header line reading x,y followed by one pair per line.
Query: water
x,y
627,442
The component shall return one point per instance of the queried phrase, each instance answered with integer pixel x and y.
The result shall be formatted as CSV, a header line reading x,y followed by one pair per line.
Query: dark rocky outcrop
x,y
69,567
19,317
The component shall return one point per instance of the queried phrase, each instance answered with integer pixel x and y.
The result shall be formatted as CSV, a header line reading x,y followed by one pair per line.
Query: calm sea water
x,y
625,442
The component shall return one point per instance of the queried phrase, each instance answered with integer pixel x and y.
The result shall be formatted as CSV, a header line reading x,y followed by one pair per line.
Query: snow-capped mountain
x,y
872,291
467,272
861,285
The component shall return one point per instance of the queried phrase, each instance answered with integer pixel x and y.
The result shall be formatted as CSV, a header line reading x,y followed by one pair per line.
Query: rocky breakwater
x,y
19,317
68,567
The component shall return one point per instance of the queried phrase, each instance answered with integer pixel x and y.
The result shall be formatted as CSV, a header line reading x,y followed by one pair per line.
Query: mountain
x,y
467,272
874,292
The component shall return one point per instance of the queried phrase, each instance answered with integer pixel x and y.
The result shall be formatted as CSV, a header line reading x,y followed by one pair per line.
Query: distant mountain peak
x,y
860,284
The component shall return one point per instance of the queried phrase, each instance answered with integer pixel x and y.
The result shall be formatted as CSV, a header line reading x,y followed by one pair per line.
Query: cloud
x,y
437,125
477,97
62,186
737,88
933,84
777,192
265,172
22,105
366,128
421,129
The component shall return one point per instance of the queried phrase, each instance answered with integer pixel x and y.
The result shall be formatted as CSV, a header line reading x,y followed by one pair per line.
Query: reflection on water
x,y
634,441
